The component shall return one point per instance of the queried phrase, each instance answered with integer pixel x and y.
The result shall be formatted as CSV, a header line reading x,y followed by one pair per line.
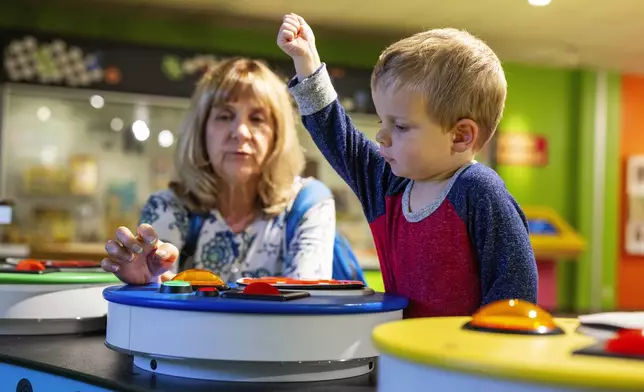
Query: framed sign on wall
x,y
634,237
521,149
635,176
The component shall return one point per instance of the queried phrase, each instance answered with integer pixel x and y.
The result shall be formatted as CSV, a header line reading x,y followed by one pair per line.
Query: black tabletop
x,y
85,358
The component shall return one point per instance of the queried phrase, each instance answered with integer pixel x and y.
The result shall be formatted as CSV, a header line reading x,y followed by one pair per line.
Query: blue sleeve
x,y
351,154
499,232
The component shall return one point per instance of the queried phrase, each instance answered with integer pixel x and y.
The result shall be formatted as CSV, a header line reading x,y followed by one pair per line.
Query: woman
x,y
237,161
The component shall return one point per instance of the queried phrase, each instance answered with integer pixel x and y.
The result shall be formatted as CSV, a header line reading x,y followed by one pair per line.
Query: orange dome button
x,y
627,342
514,317
30,265
199,277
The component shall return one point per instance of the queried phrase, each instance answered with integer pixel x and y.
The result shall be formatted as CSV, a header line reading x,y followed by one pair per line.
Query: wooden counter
x,y
68,251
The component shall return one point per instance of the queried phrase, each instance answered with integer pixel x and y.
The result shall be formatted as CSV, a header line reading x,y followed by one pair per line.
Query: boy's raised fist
x,y
296,38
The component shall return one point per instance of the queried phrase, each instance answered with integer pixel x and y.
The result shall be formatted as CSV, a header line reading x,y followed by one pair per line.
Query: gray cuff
x,y
313,93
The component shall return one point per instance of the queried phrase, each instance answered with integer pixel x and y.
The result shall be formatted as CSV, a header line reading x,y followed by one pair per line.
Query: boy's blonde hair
x,y
231,80
456,73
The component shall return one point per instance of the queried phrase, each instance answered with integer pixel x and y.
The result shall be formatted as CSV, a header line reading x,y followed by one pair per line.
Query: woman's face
x,y
239,137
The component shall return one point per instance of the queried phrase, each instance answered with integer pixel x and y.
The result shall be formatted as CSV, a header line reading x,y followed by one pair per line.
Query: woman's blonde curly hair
x,y
229,81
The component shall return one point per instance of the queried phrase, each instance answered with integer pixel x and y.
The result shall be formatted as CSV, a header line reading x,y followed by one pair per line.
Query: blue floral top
x,y
259,250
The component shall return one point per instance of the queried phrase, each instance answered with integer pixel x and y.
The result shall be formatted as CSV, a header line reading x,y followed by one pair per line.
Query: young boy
x,y
448,234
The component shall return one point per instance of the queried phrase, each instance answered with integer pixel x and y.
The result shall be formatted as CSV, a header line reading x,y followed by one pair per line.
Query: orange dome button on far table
x,y
514,317
30,265
199,277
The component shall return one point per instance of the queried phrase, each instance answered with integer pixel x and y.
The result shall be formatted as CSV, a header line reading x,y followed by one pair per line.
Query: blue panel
x,y
148,297
542,227
11,375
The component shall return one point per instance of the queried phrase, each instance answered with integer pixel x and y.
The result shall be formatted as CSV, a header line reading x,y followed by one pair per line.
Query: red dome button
x,y
261,288
628,342
207,292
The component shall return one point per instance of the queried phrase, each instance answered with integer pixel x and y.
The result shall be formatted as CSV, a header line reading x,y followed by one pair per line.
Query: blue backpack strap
x,y
311,193
195,223
345,263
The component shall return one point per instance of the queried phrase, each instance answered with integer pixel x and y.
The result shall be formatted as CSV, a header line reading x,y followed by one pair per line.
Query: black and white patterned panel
x,y
29,60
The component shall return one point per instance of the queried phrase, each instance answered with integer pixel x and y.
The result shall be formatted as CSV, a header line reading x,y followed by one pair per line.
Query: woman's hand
x,y
138,259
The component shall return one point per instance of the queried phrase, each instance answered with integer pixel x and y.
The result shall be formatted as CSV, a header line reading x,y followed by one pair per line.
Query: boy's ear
x,y
465,134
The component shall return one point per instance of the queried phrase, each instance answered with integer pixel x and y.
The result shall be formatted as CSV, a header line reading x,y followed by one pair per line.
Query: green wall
x,y
612,201
545,101
585,185
554,102
560,104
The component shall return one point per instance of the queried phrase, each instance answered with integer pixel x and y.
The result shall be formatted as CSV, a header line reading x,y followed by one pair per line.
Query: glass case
x,y
79,163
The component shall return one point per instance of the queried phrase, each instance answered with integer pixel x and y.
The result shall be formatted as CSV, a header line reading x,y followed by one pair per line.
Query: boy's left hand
x,y
296,39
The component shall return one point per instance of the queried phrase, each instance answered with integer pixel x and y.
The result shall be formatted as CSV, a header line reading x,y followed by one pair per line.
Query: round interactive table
x,y
82,363
52,302
290,337
438,352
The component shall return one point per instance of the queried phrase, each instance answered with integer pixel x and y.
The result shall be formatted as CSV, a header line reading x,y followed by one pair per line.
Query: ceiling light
x,y
539,3
43,113
166,138
116,124
97,101
140,130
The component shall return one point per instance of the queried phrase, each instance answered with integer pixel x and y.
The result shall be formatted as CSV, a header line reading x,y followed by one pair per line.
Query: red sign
x,y
522,149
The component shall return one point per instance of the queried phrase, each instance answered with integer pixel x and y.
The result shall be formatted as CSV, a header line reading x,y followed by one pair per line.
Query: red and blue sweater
x,y
469,248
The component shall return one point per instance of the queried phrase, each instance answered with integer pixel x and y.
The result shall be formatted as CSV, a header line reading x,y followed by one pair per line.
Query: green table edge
x,y
94,277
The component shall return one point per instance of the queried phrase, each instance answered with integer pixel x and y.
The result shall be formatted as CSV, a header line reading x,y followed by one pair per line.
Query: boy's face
x,y
413,144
